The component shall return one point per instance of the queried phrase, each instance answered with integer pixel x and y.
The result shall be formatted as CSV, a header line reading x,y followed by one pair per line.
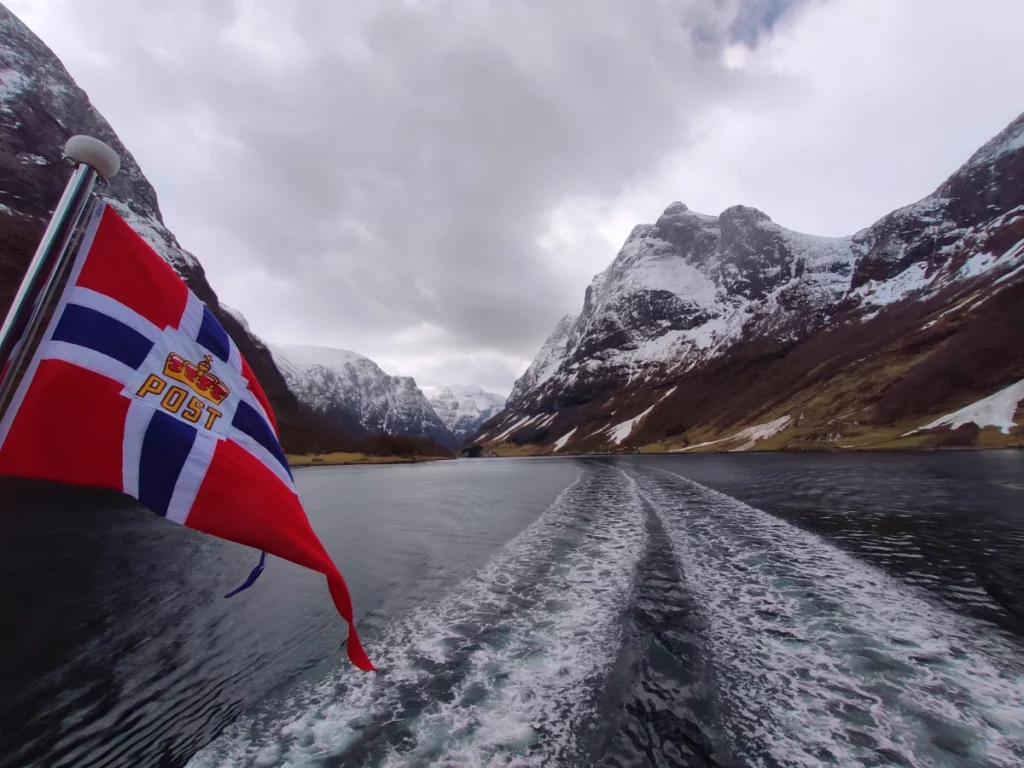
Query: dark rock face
x,y
686,233
756,257
41,107
715,308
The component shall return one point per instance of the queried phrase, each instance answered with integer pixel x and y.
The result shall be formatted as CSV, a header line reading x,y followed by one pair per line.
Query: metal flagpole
x,y
93,159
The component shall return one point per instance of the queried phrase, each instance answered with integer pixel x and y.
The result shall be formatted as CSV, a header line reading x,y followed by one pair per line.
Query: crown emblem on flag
x,y
197,377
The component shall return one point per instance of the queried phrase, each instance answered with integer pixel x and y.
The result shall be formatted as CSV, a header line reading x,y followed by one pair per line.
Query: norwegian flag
x,y
137,387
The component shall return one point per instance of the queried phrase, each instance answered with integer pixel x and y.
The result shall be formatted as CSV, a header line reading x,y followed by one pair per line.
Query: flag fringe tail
x,y
342,601
255,574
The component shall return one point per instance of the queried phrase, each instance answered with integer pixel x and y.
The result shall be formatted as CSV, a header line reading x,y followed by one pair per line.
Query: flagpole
x,y
93,159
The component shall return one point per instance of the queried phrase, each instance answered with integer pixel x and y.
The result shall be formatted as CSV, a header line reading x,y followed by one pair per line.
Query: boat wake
x,y
644,619
503,670
819,658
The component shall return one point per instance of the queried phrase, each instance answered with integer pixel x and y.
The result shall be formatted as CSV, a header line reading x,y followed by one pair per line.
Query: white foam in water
x,y
500,672
822,659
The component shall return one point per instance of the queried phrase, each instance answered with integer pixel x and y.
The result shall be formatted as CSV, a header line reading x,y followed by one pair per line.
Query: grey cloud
x,y
392,164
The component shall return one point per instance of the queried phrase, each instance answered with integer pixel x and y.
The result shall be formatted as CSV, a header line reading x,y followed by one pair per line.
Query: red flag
x,y
137,387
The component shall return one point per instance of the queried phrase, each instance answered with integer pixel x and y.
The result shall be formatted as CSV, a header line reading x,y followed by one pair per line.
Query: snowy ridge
x,y
1006,142
337,382
462,408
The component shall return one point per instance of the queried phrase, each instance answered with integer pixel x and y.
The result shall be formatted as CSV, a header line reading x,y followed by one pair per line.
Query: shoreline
x,y
346,459
800,450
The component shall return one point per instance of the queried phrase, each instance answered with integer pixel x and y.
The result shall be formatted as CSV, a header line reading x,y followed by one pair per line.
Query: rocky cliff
x,y
732,332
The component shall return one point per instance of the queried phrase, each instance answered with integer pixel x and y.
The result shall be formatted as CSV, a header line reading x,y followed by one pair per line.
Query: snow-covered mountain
x,y
711,325
344,386
684,289
462,408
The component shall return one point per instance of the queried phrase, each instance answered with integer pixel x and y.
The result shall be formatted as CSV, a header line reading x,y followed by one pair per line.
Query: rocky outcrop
x,y
355,395
705,326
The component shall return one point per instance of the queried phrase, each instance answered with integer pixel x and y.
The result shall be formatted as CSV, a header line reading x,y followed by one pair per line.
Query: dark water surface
x,y
666,610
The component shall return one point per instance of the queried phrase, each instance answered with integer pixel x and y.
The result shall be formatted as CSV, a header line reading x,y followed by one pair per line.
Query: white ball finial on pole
x,y
94,153
41,282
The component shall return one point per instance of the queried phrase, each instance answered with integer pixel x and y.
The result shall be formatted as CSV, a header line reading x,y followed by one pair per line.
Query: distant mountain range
x,y
731,332
356,395
460,407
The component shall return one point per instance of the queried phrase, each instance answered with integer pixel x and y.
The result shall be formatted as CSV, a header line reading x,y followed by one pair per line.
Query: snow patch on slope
x,y
881,293
620,432
12,84
751,434
33,159
760,432
995,410
515,425
560,443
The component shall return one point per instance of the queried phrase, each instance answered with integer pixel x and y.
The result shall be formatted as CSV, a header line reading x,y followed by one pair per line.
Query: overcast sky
x,y
433,183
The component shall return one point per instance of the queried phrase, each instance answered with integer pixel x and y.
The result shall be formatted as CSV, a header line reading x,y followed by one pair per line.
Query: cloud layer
x,y
432,183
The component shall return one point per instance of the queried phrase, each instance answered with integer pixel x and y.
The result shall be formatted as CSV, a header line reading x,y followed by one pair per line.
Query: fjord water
x,y
664,610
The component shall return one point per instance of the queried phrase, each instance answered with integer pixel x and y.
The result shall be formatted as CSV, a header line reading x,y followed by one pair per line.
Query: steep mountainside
x,y
731,332
41,107
462,408
354,393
